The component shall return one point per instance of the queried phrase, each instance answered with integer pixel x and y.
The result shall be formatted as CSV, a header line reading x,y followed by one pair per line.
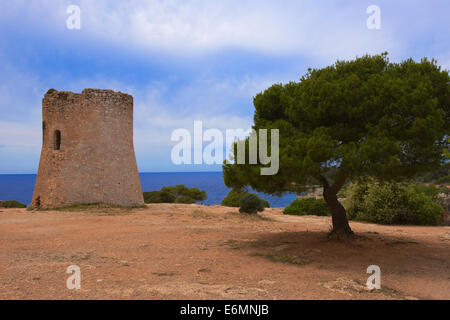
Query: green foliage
x,y
184,199
181,190
233,199
50,91
446,150
393,203
251,204
12,204
176,194
356,118
343,192
443,180
440,175
429,190
308,206
421,210
159,197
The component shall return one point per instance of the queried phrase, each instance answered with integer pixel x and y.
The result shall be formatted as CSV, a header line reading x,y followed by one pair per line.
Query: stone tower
x,y
87,150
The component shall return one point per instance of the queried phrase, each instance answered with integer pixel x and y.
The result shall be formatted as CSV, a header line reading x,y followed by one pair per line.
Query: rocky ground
x,y
176,251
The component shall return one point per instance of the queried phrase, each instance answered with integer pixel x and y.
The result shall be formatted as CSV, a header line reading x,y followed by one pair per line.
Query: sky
x,y
186,61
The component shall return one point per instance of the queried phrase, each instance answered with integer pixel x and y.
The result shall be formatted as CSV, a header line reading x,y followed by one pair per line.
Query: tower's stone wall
x,y
87,151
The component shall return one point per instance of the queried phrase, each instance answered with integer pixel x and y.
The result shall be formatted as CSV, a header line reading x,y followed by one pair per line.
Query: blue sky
x,y
187,60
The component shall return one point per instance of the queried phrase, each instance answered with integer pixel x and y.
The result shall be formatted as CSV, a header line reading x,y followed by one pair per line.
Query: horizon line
x,y
12,174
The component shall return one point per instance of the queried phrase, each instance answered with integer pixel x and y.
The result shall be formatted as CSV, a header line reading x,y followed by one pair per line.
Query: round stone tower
x,y
87,150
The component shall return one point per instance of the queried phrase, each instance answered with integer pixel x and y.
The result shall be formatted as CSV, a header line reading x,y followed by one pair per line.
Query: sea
x,y
20,186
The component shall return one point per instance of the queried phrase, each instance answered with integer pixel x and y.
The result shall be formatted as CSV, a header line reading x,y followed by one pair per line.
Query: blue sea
x,y
20,186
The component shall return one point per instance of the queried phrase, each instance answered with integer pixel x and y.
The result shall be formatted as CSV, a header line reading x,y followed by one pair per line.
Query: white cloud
x,y
178,27
325,31
284,31
156,116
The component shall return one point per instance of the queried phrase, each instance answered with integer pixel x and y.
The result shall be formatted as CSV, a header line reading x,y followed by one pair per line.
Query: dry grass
x,y
204,214
105,208
237,245
281,257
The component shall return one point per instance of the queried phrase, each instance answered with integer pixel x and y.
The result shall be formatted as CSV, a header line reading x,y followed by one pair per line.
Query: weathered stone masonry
x,y
87,151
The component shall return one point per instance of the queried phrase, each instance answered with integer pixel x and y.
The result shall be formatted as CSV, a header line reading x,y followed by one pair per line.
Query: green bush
x,y
308,206
184,199
177,194
354,201
343,192
393,203
181,190
422,209
443,180
12,204
159,197
233,198
431,191
251,204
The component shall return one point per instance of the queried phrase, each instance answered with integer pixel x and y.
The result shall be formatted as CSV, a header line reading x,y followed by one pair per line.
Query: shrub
x,y
12,204
197,194
233,198
178,194
181,190
421,209
308,206
443,180
159,197
343,192
251,204
354,201
430,191
393,203
184,199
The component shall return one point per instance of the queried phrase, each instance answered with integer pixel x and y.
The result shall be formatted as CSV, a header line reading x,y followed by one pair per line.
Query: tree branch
x,y
337,185
322,180
339,182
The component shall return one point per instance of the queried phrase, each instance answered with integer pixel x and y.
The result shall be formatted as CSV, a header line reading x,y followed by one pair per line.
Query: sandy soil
x,y
197,252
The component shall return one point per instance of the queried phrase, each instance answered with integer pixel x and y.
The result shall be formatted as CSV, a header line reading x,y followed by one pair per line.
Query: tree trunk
x,y
341,228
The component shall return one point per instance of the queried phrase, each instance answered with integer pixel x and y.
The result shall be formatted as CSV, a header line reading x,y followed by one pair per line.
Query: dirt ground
x,y
176,251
